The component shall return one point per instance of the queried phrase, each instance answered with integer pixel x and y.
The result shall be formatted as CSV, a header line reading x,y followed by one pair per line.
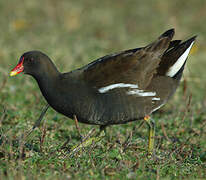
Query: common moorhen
x,y
114,89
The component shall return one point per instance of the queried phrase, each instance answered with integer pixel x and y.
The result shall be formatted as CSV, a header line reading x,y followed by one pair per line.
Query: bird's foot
x,y
87,141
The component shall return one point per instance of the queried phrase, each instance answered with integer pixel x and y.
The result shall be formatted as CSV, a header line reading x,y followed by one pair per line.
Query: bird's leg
x,y
77,126
98,136
151,126
26,135
88,140
38,121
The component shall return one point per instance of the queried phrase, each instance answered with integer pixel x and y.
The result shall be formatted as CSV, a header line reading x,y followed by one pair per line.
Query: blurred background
x,y
75,32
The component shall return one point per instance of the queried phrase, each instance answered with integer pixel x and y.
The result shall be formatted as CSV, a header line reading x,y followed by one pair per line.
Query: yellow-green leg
x,y
89,140
151,126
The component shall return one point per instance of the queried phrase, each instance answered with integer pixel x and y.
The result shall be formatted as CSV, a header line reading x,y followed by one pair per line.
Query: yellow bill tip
x,y
13,73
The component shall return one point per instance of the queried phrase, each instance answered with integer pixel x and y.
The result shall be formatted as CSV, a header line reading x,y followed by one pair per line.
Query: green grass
x,y
73,33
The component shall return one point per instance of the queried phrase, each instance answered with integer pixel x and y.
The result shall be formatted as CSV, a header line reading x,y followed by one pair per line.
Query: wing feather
x,y
136,66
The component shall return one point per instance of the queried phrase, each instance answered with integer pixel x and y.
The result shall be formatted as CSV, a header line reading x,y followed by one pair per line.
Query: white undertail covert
x,y
179,63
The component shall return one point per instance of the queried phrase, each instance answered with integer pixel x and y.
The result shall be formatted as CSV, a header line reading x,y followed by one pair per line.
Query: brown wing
x,y
130,67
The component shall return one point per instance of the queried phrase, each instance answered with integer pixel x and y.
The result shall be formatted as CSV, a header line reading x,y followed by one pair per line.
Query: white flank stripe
x,y
119,85
155,99
141,93
179,63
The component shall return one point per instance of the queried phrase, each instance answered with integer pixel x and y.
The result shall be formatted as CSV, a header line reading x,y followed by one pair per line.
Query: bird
x,y
115,89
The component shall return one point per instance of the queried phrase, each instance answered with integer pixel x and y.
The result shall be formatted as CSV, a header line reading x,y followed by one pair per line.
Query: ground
x,y
73,33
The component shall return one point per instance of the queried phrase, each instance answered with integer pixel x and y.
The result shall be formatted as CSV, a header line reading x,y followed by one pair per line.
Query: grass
x,y
73,33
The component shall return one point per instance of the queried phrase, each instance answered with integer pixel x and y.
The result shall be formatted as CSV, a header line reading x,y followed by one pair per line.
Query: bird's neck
x,y
47,82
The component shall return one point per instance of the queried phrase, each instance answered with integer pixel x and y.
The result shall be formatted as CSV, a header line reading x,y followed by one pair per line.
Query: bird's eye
x,y
31,59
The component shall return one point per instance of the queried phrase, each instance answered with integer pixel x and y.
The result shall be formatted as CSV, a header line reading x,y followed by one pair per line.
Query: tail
x,y
159,46
174,59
